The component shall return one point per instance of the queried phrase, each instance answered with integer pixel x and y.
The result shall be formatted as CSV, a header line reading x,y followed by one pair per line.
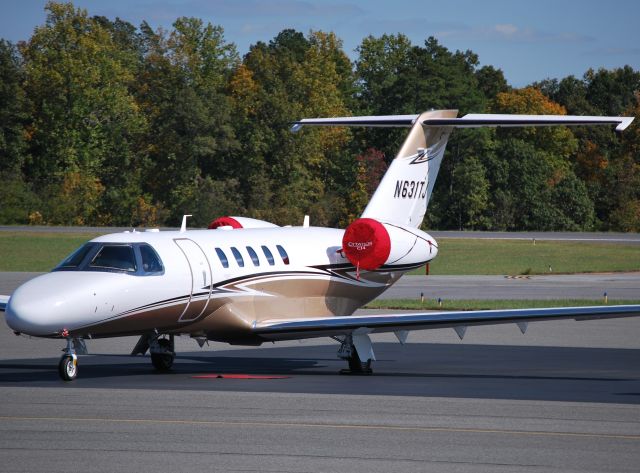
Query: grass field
x,y
37,251
477,304
515,257
25,251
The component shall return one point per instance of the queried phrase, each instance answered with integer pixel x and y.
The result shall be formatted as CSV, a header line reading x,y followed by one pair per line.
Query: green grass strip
x,y
21,251
491,304
516,257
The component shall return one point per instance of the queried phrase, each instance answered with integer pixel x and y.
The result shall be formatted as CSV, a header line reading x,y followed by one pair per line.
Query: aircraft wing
x,y
364,324
4,300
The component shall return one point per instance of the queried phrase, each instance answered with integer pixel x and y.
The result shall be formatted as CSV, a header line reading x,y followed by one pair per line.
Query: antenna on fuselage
x,y
183,227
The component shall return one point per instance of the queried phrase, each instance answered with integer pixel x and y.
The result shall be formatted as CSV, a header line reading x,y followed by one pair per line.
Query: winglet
x,y
624,123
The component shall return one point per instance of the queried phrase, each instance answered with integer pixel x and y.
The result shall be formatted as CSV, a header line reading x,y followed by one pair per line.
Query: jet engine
x,y
239,222
369,244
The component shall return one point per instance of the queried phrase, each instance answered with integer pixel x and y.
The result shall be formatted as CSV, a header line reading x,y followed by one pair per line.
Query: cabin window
x,y
237,256
253,255
115,258
223,258
77,257
150,260
268,255
283,254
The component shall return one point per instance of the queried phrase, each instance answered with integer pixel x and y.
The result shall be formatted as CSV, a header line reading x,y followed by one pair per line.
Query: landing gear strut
x,y
162,353
358,364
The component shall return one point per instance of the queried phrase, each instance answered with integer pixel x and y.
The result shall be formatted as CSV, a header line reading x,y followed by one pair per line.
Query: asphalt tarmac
x,y
563,397
605,237
557,286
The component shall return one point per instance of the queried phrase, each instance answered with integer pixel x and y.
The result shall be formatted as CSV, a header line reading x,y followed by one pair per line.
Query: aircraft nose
x,y
48,304
26,312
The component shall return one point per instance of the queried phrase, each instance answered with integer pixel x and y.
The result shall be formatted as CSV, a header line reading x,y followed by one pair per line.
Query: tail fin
x,y
404,192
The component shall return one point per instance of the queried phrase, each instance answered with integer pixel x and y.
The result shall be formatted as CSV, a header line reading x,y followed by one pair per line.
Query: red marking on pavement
x,y
238,376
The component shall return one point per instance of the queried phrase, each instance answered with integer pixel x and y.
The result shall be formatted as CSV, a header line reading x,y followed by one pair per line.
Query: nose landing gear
x,y
68,365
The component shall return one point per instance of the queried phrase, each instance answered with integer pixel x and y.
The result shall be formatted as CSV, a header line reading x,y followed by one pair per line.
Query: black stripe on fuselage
x,y
327,270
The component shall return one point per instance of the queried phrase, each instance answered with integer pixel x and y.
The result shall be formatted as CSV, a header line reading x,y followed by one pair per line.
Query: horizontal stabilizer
x,y
475,120
371,121
472,120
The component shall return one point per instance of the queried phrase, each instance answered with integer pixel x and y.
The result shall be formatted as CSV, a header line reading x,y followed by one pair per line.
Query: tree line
x,y
106,123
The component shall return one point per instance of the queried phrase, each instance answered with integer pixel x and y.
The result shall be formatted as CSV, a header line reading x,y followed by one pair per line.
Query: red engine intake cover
x,y
366,243
224,222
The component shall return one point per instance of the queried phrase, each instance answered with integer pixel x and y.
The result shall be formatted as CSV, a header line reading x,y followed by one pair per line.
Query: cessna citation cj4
x,y
246,281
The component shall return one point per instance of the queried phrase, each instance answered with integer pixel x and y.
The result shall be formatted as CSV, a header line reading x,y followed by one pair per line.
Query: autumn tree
x,y
85,124
182,91
294,77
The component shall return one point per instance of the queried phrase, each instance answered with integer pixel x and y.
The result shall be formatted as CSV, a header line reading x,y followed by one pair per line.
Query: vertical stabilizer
x,y
404,191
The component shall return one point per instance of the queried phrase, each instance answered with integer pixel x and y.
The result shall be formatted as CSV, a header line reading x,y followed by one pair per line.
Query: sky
x,y
529,40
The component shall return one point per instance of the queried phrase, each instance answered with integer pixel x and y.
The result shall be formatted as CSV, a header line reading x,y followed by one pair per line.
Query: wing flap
x,y
331,326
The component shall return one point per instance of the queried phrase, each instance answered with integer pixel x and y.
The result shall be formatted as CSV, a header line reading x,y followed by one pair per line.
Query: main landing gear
x,y
162,353
358,352
162,350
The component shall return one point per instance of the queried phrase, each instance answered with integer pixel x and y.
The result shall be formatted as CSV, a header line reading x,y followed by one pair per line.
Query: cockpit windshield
x,y
76,258
138,259
118,257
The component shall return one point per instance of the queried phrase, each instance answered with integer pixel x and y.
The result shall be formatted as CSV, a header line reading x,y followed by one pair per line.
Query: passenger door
x,y
201,286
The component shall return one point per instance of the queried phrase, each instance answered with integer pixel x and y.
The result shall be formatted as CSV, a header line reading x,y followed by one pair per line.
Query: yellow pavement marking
x,y
325,426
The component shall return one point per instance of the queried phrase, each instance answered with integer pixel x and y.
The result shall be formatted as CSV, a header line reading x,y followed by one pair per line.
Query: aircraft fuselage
x,y
211,283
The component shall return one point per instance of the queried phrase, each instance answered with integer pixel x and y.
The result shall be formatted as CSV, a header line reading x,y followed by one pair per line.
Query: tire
x,y
68,368
356,365
163,361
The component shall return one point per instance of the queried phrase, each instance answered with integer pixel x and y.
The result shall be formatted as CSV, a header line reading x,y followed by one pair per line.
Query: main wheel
x,y
68,367
357,366
163,361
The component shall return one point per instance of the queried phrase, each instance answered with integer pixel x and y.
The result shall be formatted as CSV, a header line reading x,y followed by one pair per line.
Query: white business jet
x,y
246,281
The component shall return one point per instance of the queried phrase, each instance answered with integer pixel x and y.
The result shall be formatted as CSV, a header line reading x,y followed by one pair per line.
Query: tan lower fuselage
x,y
233,308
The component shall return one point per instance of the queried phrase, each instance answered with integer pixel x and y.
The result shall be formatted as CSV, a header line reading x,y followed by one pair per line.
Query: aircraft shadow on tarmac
x,y
443,370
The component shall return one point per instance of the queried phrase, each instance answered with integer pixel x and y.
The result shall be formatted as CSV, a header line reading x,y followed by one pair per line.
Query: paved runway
x,y
610,237
559,286
604,237
563,397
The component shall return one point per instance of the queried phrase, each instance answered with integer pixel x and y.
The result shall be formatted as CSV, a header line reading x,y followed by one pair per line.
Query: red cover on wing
x,y
224,222
366,243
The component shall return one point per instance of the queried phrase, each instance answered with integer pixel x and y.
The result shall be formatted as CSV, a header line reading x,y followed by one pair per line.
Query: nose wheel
x,y
68,367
